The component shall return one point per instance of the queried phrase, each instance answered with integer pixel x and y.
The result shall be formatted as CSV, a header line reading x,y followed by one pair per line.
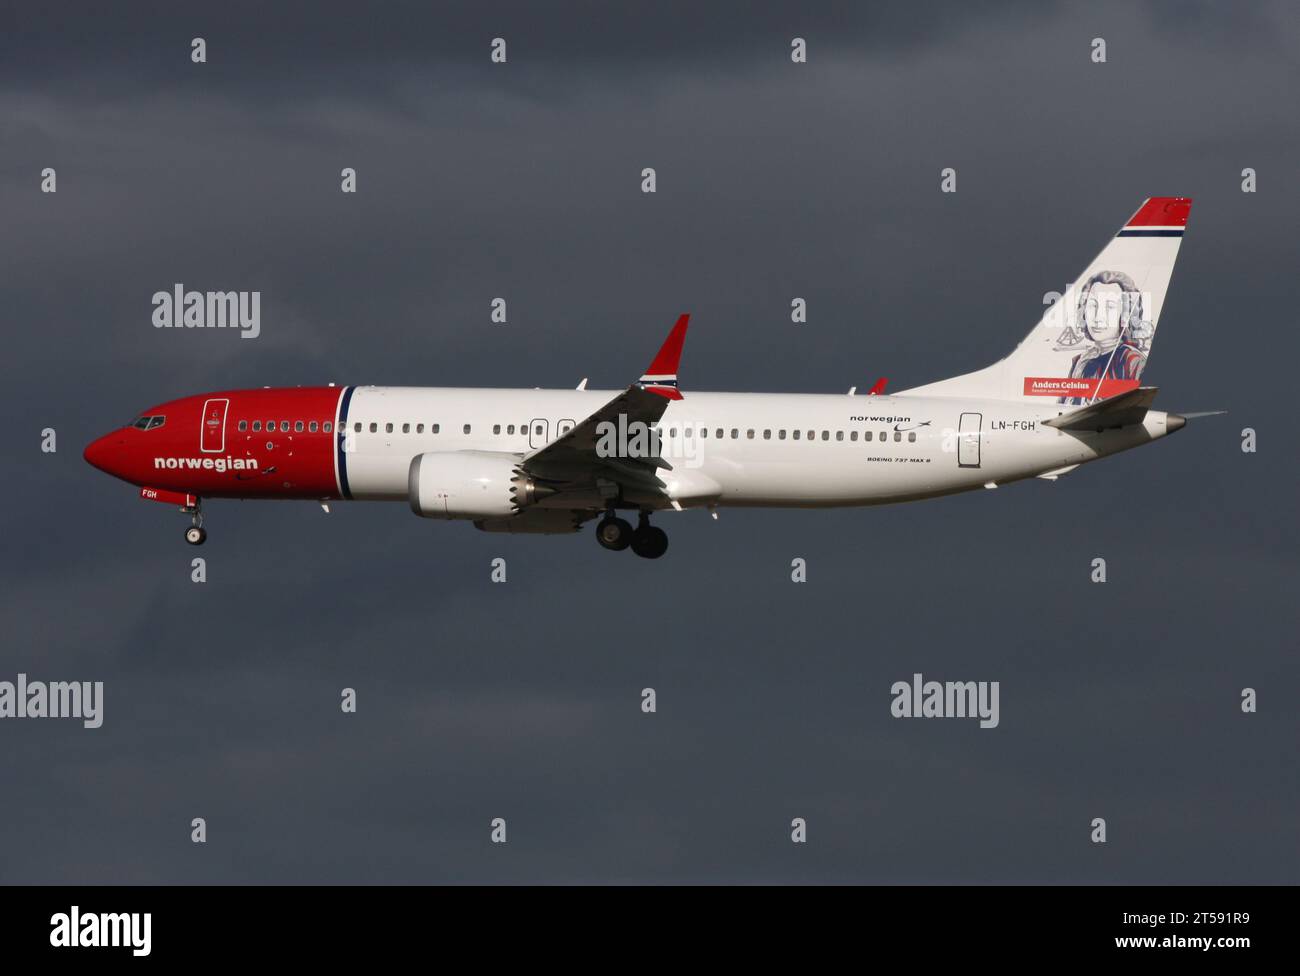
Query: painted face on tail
x,y
1103,313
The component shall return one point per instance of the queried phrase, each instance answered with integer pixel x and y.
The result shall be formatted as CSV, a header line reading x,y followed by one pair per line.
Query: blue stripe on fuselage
x,y
342,438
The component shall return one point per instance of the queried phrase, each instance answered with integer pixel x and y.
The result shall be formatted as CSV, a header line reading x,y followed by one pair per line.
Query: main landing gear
x,y
646,540
195,535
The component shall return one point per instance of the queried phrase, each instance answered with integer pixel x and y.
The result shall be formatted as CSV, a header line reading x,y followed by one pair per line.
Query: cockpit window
x,y
149,423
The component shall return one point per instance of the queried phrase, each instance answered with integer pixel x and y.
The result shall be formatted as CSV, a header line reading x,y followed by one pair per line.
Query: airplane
x,y
548,461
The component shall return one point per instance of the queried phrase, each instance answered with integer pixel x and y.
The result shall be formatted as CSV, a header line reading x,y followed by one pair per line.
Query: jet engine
x,y
469,485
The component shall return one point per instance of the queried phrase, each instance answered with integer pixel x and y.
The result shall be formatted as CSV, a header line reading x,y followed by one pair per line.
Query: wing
x,y
574,462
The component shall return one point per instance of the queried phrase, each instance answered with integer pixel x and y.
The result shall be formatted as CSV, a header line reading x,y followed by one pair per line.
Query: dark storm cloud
x,y
344,46
775,180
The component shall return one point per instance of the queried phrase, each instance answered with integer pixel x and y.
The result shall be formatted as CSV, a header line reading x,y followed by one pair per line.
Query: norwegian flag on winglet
x,y
661,377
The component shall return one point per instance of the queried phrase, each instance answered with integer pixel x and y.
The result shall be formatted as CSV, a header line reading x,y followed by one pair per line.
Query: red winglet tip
x,y
670,353
879,388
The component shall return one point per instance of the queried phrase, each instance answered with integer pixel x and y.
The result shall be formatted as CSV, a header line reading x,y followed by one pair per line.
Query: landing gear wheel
x,y
195,535
649,542
614,533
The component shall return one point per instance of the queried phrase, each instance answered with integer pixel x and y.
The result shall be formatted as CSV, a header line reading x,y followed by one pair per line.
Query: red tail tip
x,y
1162,212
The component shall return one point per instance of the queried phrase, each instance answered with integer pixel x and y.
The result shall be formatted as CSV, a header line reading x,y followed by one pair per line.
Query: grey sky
x,y
522,700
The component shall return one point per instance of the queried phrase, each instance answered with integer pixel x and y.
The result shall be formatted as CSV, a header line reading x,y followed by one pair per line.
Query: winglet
x,y
661,377
879,388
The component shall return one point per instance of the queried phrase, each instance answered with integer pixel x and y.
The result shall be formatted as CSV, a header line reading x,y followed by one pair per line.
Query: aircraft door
x,y
212,439
968,440
537,433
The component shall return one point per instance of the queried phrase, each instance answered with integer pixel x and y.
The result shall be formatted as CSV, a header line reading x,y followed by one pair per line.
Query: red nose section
x,y
102,453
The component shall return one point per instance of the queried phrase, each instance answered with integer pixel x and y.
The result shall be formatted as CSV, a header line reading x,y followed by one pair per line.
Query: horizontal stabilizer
x,y
1117,411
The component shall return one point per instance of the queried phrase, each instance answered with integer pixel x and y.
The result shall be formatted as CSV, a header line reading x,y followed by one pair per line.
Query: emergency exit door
x,y
537,433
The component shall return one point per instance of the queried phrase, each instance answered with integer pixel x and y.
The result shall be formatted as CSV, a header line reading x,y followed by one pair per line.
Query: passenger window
x,y
466,428
496,428
686,432
510,428
704,432
767,435
565,428
898,436
312,427
839,435
434,428
406,428
284,426
374,427
812,435
243,425
853,435
538,430
719,432
327,426
357,427
270,425
257,425
780,435
866,435
298,426
672,432
884,435
419,428
749,435
826,435
735,433
797,433
911,436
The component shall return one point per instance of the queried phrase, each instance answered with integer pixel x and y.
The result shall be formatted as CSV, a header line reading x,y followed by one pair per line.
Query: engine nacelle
x,y
468,485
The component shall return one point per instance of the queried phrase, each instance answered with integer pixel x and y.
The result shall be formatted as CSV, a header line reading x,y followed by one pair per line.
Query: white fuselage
x,y
742,448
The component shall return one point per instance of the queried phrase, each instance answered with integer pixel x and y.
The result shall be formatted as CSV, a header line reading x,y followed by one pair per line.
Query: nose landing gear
x,y
195,535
